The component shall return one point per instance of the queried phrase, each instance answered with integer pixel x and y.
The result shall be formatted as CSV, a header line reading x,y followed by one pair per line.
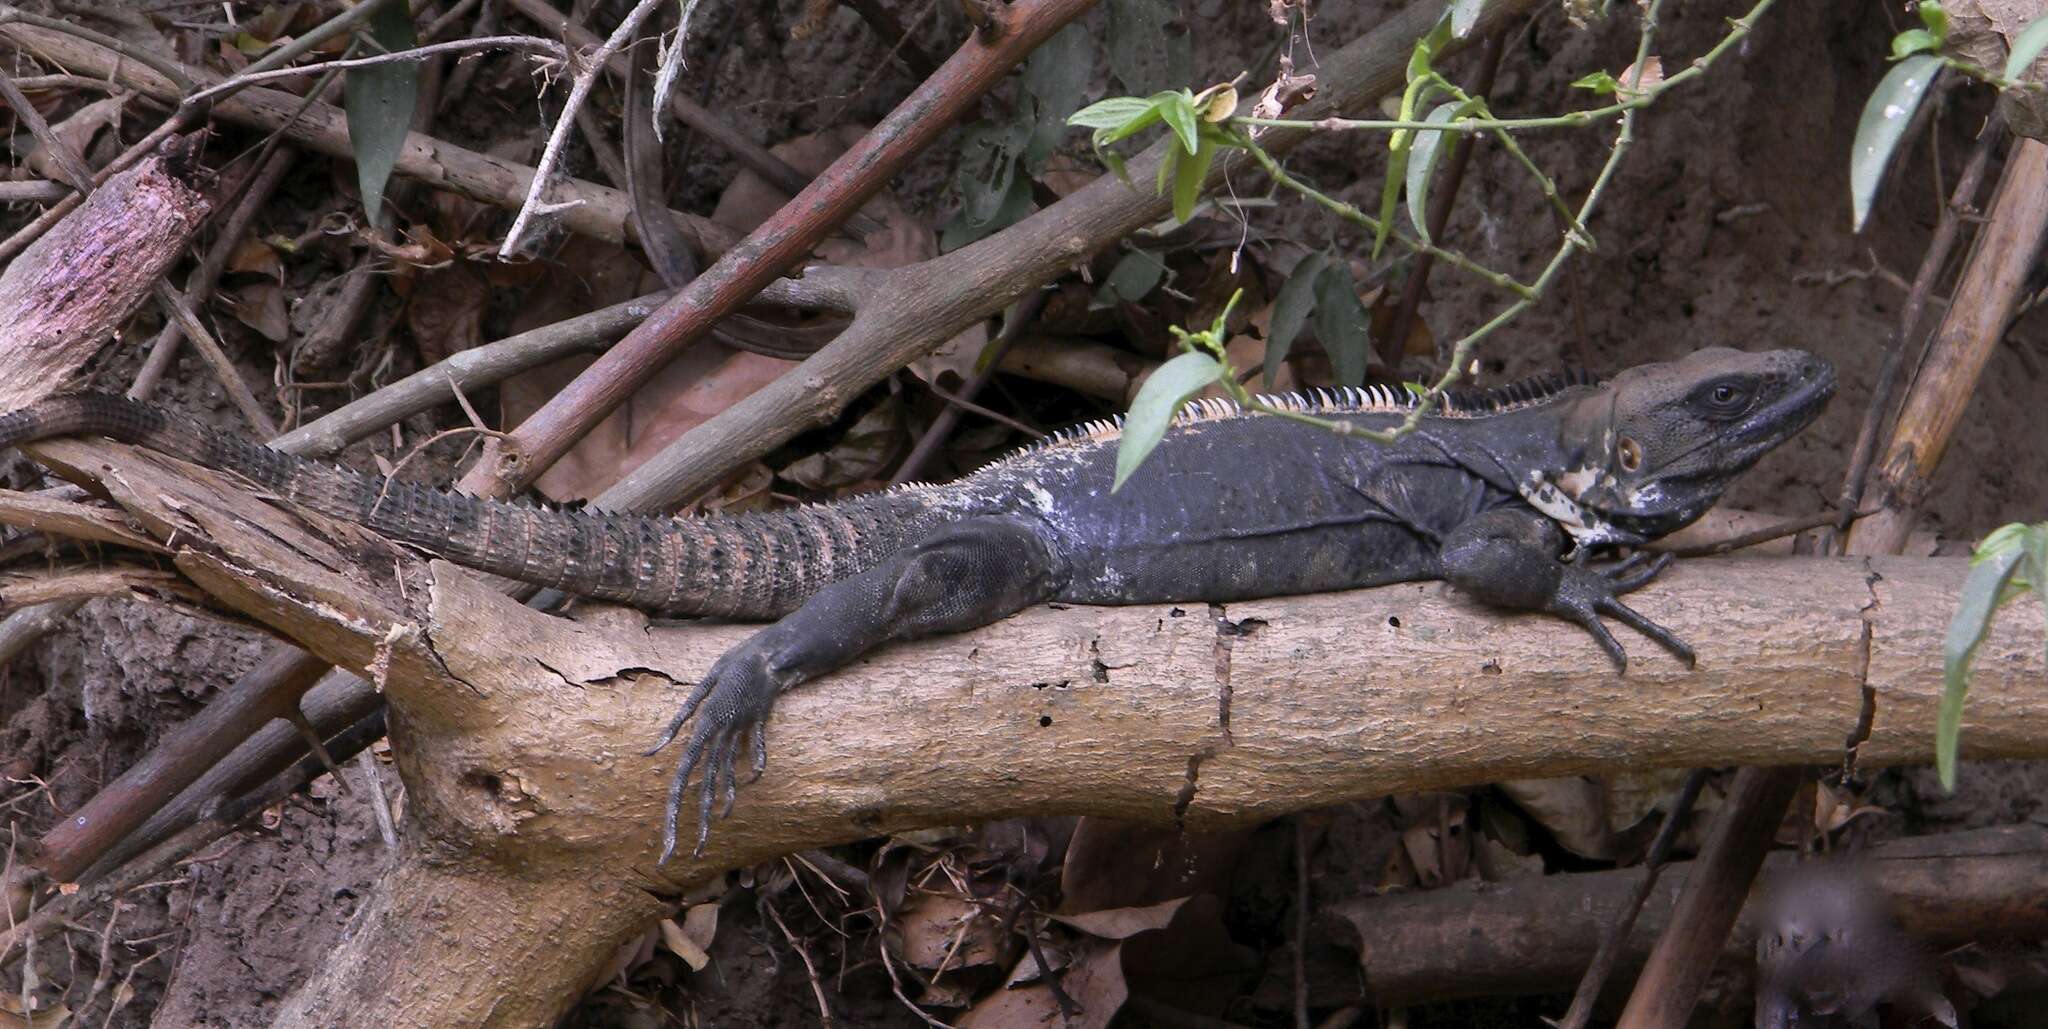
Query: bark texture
x,y
64,296
534,814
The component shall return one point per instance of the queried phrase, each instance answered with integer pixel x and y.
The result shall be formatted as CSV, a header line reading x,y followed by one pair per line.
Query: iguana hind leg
x,y
967,574
1508,558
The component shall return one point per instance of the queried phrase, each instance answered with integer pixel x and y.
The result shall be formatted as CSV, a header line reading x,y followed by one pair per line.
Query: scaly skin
x,y
1489,494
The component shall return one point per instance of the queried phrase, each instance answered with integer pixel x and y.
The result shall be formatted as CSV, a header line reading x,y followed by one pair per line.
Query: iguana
x,y
1499,492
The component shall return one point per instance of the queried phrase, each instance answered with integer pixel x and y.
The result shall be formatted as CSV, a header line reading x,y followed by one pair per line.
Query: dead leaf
x,y
864,454
78,130
1286,92
1115,864
1122,923
254,256
446,311
904,239
1573,808
691,940
1192,964
1653,73
260,305
13,1017
1094,980
945,932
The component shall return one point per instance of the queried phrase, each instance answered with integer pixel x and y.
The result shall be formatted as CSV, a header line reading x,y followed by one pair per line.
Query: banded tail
x,y
752,566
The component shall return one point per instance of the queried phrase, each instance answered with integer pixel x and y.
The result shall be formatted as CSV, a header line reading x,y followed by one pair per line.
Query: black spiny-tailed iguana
x,y
1490,493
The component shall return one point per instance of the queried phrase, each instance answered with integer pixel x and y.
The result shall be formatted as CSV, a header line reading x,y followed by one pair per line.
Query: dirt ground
x,y
1728,225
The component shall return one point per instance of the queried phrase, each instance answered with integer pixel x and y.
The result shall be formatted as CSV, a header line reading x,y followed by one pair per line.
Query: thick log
x,y
62,298
532,808
1530,935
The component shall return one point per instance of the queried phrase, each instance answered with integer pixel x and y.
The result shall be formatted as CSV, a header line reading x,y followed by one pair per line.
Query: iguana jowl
x,y
1499,493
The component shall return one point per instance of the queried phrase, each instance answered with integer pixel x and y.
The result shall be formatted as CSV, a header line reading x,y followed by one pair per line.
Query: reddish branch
x,y
779,244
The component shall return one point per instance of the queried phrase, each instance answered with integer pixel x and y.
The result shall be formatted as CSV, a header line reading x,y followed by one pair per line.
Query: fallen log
x,y
1535,935
533,813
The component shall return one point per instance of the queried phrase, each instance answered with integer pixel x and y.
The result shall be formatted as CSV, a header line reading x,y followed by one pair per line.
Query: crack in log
x,y
1225,642
1868,716
1186,797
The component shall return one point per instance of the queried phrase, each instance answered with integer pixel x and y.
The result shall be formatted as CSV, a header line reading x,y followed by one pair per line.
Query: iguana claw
x,y
731,701
1585,594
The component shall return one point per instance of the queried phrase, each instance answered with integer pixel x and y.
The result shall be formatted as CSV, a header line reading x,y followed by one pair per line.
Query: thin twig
x,y
1789,527
1440,204
69,163
1021,317
551,156
167,68
810,969
1611,944
1931,263
534,44
180,309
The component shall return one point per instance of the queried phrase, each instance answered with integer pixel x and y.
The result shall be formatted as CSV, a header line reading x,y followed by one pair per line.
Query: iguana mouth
x,y
1772,424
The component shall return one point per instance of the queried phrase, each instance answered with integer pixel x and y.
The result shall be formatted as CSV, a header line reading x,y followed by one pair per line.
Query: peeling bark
x,y
534,814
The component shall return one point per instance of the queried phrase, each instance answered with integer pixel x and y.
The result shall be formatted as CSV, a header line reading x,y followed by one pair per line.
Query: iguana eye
x,y
1631,454
1725,398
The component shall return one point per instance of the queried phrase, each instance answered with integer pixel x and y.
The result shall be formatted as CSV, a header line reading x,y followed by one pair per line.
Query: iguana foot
x,y
1584,594
731,703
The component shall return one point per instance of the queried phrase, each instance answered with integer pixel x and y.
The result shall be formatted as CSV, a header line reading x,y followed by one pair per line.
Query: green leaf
x,y
1135,275
1935,18
1111,113
2035,566
1422,163
1885,116
1155,405
2006,537
1343,324
1598,82
1913,41
1056,78
379,100
1464,15
1981,592
1145,119
1188,176
2026,47
1179,111
995,191
1291,310
1428,47
1149,45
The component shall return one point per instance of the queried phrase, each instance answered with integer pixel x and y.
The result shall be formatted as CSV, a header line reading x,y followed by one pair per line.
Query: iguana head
x,y
1655,446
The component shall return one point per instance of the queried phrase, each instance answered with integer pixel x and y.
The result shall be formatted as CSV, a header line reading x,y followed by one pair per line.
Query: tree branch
x,y
532,799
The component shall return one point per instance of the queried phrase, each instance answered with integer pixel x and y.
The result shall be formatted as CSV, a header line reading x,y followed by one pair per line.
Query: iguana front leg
x,y
1508,558
966,575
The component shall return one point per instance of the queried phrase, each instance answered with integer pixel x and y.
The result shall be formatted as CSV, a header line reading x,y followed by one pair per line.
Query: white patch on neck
x,y
1557,501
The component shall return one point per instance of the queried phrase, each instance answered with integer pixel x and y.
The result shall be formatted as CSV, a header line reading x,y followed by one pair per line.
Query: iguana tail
x,y
754,566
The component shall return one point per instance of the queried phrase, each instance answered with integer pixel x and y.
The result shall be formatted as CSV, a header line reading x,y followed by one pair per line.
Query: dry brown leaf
x,y
944,932
691,940
1094,980
13,1017
254,256
78,130
1653,73
1116,864
1123,923
904,239
1286,92
260,305
446,311
1192,965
